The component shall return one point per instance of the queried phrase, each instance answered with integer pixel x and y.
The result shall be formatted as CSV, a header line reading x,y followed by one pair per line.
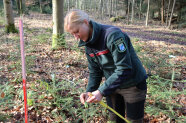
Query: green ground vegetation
x,y
55,79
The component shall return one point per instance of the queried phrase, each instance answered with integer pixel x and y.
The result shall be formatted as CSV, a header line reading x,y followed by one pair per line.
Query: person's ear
x,y
86,22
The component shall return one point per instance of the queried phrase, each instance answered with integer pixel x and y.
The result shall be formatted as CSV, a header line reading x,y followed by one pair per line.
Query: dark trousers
x,y
129,102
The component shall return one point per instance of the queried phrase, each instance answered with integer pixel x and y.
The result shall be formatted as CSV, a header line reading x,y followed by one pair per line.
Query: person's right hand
x,y
84,97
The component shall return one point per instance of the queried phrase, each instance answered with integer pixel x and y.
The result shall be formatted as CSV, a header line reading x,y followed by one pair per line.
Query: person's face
x,y
80,31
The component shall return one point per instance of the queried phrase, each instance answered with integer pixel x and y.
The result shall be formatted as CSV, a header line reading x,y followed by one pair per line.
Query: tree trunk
x,y
171,13
140,10
20,6
81,4
84,4
77,5
125,7
58,23
147,16
128,12
68,4
90,7
115,8
110,8
101,9
40,4
162,12
168,13
132,18
106,2
9,18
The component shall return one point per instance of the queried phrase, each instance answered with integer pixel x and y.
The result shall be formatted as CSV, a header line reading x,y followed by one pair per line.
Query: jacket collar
x,y
95,34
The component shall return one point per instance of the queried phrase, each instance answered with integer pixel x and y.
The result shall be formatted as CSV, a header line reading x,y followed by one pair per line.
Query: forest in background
x,y
129,10
56,77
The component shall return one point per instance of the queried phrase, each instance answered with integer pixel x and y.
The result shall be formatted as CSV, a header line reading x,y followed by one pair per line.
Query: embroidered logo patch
x,y
120,45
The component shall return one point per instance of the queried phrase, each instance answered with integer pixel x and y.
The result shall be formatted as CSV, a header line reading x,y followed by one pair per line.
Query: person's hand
x,y
95,97
84,97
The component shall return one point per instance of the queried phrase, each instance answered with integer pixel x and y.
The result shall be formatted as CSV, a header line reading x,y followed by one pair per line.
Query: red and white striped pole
x,y
23,67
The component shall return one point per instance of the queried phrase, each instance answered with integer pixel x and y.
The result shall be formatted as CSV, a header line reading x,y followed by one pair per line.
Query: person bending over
x,y
110,54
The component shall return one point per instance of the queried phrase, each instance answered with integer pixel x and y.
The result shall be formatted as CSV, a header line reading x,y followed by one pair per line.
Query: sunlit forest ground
x,y
55,78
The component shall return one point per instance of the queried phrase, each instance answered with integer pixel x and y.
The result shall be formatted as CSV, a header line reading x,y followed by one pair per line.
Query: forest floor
x,y
69,64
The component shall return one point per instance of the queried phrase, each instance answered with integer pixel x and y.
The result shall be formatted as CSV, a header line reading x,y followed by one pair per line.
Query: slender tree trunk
x,y
101,9
180,13
171,13
40,4
9,18
68,5
84,4
132,18
90,7
104,8
80,4
115,8
58,22
128,12
168,13
20,6
147,16
162,12
110,8
107,7
140,10
159,14
125,5
76,4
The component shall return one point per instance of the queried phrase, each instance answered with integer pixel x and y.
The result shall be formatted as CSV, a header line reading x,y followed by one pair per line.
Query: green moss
x,y
113,19
10,28
54,41
58,41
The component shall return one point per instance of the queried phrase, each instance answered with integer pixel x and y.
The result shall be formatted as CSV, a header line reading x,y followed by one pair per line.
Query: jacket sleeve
x,y
95,75
117,43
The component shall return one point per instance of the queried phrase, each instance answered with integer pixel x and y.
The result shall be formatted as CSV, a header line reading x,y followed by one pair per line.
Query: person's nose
x,y
76,36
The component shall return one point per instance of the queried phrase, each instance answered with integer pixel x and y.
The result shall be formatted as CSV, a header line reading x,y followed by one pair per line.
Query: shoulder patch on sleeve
x,y
120,44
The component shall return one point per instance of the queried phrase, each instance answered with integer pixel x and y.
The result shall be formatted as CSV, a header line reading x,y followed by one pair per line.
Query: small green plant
x,y
135,39
11,28
4,117
114,19
7,93
111,121
172,63
164,98
30,97
58,41
136,46
47,10
63,97
42,38
34,8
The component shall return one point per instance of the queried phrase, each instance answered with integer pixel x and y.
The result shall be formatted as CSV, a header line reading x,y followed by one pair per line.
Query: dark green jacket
x,y
110,54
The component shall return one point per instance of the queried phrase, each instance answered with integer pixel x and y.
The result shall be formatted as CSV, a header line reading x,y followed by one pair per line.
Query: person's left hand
x,y
96,97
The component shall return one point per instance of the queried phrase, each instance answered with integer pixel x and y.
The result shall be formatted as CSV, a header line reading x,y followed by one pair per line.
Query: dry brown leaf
x,y
2,95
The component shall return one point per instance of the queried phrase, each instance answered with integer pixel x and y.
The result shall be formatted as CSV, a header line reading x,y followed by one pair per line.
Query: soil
x,y
72,70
